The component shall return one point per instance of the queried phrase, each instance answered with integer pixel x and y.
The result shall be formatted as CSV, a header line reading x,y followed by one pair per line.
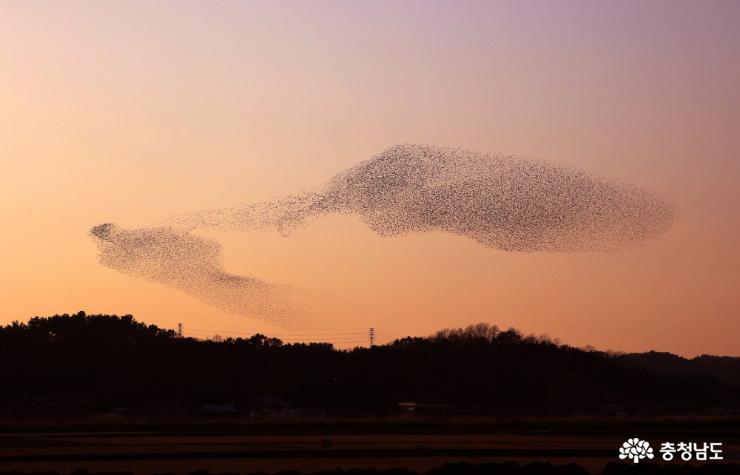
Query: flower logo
x,y
636,450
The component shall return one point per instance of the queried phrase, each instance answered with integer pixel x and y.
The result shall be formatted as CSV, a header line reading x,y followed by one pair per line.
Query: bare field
x,y
214,449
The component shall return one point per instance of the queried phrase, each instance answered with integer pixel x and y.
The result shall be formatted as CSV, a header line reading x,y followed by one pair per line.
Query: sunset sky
x,y
132,112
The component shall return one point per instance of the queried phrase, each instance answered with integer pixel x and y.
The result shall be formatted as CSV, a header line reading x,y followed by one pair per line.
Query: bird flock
x,y
501,202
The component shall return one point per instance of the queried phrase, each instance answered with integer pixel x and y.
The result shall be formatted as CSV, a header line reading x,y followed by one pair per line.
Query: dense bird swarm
x,y
192,264
501,202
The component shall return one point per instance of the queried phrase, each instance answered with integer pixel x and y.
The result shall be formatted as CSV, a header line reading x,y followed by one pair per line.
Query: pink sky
x,y
131,112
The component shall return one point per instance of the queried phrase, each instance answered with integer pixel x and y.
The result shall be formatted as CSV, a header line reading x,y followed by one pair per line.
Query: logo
x,y
636,450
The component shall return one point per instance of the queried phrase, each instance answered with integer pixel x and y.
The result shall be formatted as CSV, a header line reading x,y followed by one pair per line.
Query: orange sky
x,y
131,112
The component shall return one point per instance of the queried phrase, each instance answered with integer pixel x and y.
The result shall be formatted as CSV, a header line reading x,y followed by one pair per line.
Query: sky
x,y
132,112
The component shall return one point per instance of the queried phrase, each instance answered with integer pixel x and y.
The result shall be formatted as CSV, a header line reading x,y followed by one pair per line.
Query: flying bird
x,y
501,202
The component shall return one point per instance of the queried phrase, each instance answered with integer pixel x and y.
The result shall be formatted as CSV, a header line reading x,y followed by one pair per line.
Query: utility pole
x,y
179,330
371,334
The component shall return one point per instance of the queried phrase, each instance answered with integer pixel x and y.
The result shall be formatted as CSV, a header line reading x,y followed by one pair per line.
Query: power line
x,y
314,340
249,335
336,338
241,332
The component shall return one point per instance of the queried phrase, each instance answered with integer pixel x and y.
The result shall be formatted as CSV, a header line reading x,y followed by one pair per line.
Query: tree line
x,y
69,364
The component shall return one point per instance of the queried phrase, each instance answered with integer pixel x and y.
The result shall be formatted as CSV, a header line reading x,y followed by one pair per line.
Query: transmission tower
x,y
371,335
179,330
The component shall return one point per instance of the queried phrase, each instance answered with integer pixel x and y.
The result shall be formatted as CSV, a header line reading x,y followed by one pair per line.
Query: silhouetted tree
x,y
67,364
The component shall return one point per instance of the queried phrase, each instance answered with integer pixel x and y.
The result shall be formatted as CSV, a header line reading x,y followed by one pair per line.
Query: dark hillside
x,y
74,364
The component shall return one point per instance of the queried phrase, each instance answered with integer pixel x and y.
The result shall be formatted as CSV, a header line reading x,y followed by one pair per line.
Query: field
x,y
223,446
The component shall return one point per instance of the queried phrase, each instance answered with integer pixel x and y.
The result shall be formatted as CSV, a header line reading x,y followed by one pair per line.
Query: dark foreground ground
x,y
464,468
481,446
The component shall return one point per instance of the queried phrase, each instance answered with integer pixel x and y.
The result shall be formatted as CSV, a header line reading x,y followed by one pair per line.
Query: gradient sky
x,y
130,112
